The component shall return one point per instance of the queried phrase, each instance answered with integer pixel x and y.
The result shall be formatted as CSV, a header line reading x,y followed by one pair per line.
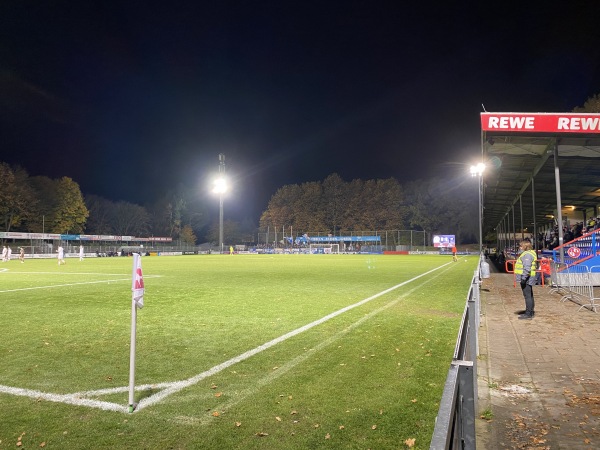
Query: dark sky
x,y
130,98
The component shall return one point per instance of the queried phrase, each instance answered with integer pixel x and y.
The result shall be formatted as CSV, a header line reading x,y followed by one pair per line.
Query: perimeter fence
x,y
390,240
98,248
577,283
455,422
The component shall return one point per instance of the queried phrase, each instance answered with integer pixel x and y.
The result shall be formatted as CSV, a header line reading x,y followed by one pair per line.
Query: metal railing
x,y
577,283
455,422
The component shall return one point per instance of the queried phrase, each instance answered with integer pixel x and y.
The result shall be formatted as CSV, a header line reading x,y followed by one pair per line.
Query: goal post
x,y
324,248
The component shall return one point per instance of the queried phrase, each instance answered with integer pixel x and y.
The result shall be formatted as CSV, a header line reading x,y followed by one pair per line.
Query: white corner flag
x,y
137,301
137,281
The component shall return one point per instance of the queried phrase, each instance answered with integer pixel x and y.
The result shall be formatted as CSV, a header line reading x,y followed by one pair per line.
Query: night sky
x,y
130,98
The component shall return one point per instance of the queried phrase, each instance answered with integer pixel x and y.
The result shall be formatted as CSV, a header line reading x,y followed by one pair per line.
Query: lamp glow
x,y
478,169
220,186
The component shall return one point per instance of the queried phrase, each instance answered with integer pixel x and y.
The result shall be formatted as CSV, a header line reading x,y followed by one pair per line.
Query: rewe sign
x,y
541,122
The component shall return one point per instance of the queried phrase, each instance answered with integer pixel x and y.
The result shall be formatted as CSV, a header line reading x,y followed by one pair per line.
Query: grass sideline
x,y
371,377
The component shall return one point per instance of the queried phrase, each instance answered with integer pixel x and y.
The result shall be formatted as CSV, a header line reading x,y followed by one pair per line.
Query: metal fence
x,y
407,240
577,283
455,422
71,248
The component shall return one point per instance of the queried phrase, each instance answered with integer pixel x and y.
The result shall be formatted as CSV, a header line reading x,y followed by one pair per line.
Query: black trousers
x,y
528,295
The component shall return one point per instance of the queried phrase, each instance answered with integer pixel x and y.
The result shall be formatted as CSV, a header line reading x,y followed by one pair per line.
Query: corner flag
x,y
137,301
137,281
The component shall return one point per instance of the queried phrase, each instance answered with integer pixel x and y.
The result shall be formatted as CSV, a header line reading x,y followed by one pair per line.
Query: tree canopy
x,y
335,206
438,206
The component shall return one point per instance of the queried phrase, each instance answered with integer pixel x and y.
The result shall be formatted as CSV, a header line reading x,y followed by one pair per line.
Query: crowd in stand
x,y
549,239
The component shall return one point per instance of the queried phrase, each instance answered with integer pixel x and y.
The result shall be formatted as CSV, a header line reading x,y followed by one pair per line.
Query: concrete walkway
x,y
539,378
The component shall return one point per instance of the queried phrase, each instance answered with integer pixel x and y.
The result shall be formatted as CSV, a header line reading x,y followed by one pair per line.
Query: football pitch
x,y
232,352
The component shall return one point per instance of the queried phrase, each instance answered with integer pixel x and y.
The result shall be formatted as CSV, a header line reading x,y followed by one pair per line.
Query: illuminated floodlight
x,y
220,186
478,169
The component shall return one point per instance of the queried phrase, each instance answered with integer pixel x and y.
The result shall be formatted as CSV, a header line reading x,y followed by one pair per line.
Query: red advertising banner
x,y
541,122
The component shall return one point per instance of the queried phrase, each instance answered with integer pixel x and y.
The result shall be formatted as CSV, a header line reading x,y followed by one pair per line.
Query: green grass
x,y
371,377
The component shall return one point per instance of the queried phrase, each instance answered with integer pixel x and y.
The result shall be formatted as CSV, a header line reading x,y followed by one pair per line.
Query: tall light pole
x,y
477,171
220,188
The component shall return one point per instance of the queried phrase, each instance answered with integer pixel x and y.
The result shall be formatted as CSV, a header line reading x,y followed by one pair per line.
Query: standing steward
x,y
525,275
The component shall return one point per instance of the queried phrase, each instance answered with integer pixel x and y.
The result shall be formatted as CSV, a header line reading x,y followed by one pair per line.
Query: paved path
x,y
539,378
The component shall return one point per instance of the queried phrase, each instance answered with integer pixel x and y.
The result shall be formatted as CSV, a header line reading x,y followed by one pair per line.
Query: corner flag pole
x,y
137,301
132,356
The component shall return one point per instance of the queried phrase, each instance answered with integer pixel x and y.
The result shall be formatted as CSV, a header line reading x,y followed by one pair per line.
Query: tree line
x,y
40,204
438,206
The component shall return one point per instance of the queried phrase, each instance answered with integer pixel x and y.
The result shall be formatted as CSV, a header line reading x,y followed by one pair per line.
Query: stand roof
x,y
519,147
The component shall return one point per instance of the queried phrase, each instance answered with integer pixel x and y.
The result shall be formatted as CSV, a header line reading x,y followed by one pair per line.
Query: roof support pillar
x,y
558,203
514,228
521,213
535,233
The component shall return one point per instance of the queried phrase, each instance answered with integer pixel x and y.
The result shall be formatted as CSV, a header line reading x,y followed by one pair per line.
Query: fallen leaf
x,y
327,436
410,443
42,445
238,424
373,427
218,394
342,427
216,414
278,419
414,400
262,433
214,386
316,425
294,412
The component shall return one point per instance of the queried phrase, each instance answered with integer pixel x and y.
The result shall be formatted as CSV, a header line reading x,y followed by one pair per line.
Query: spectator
x,y
525,275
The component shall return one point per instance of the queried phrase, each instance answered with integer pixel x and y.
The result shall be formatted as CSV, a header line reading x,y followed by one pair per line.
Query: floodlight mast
x,y
477,171
221,188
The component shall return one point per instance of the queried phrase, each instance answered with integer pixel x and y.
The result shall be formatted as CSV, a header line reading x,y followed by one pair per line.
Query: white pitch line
x,y
71,399
309,354
180,385
68,273
170,388
73,284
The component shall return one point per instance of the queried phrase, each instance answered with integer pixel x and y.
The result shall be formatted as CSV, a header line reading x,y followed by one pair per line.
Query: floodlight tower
x,y
477,171
220,188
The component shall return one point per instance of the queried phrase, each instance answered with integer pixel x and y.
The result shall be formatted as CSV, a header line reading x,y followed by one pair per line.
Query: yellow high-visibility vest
x,y
519,263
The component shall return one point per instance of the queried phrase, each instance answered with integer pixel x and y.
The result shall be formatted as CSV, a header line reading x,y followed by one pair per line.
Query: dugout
x,y
542,171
